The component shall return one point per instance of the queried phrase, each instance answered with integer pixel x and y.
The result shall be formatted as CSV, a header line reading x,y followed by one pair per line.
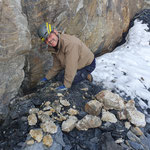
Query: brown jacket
x,y
72,54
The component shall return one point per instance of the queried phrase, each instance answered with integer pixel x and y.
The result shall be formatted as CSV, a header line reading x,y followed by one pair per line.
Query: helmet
x,y
44,30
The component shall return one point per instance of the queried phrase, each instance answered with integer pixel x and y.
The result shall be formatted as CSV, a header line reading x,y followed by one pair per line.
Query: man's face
x,y
52,39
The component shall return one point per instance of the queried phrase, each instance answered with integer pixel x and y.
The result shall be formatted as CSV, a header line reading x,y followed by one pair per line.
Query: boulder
x,y
14,44
110,100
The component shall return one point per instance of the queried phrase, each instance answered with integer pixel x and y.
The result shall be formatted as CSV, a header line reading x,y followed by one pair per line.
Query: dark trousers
x,y
80,75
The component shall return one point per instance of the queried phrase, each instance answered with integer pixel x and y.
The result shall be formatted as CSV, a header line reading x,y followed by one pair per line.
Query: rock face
x,y
99,24
14,43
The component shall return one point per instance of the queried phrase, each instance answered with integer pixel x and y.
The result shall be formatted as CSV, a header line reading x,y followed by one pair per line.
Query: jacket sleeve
x,y
55,68
71,64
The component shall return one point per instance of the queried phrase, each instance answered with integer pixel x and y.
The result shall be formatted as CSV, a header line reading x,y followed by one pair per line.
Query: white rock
x,y
32,119
72,112
110,100
136,117
33,110
49,127
108,117
69,124
64,102
127,125
88,121
93,107
60,94
122,115
36,134
30,142
48,140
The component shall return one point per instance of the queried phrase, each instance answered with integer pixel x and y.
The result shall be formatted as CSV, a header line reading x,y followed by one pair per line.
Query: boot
x,y
89,77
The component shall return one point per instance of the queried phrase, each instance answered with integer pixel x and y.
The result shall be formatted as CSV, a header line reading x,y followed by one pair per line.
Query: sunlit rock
x,y
88,121
130,105
93,107
69,124
30,142
60,94
33,110
136,117
110,100
47,108
32,119
49,127
137,131
36,134
64,102
47,103
122,115
72,112
57,106
48,140
44,117
127,125
120,140
108,116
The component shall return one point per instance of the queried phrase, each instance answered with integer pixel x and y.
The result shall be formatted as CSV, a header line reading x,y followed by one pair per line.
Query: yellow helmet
x,y
44,30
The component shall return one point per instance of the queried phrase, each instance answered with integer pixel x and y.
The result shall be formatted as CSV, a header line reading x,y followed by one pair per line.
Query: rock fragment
x,y
88,121
32,119
72,112
108,117
49,127
69,124
36,134
93,107
110,100
48,140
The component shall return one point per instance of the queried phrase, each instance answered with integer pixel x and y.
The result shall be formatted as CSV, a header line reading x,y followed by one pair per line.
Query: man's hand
x,y
43,81
61,88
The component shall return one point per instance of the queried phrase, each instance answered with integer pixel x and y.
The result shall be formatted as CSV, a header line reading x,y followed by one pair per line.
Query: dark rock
x,y
108,143
135,145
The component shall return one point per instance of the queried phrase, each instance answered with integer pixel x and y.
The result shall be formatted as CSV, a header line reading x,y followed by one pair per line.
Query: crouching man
x,y
69,54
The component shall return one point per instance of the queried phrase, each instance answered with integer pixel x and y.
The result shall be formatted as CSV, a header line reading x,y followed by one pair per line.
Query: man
x,y
69,53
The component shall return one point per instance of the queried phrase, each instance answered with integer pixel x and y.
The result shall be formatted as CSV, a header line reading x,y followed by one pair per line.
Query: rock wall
x,y
14,43
98,23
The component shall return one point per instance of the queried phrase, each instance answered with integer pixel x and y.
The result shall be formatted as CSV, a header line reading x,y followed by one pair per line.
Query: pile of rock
x,y
98,110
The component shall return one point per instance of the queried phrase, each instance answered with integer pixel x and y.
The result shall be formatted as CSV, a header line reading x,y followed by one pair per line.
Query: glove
x,y
61,88
43,81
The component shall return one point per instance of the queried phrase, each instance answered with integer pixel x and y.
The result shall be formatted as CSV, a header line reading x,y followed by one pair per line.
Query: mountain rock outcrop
x,y
14,44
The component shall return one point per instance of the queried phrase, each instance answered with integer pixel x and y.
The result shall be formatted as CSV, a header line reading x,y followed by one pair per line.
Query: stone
x,y
47,103
136,117
137,131
88,122
33,110
30,142
49,127
48,140
36,134
93,107
69,124
32,119
108,117
44,117
47,108
72,112
110,100
64,102
120,140
127,125
15,44
130,105
56,105
122,115
60,94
